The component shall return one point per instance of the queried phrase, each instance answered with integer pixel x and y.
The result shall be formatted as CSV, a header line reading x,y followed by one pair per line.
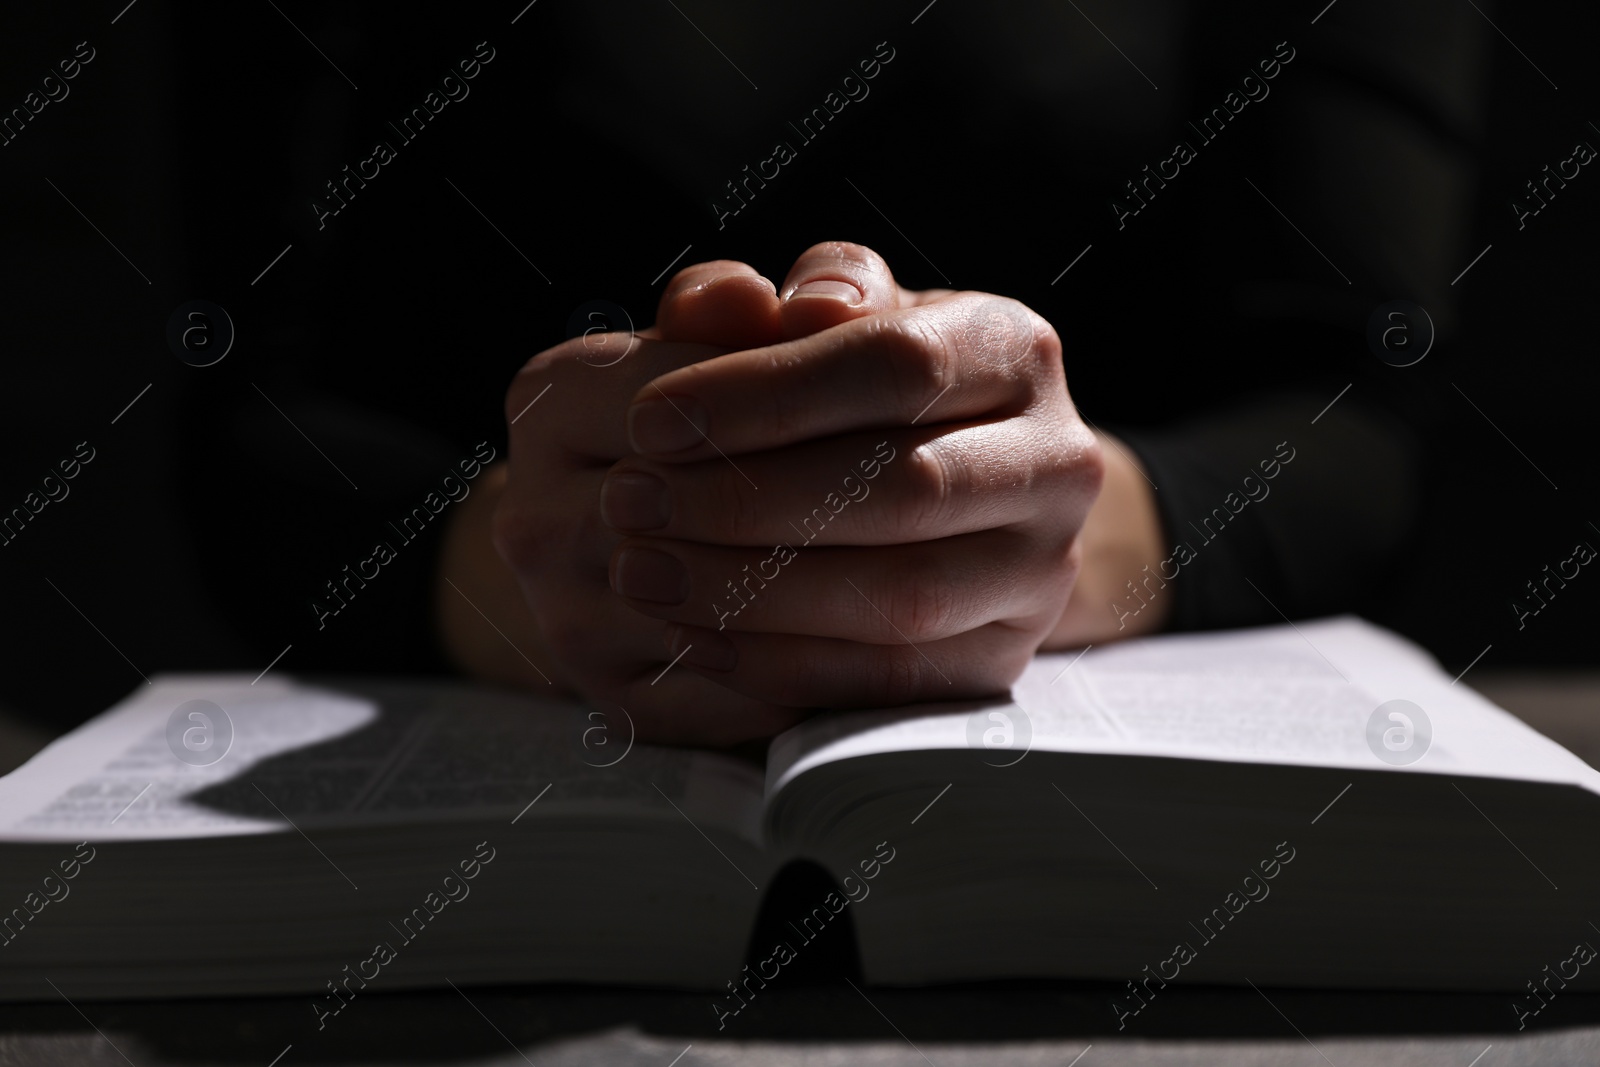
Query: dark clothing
x,y
1217,298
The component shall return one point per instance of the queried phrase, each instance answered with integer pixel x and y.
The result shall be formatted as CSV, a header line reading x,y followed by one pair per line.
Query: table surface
x,y
1056,1024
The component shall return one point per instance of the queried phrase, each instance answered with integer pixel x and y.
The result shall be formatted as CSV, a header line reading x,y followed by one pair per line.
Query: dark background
x,y
594,143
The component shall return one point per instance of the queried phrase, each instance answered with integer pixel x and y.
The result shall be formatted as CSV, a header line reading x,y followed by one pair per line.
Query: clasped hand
x,y
833,493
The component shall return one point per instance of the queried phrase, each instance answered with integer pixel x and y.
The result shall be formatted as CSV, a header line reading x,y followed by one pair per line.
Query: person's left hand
x,y
882,509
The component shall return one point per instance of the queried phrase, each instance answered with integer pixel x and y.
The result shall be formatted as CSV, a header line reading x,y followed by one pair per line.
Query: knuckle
x,y
1012,335
788,414
1000,671
1027,337
1073,471
731,511
1088,467
900,676
1008,318
1047,347
920,607
920,359
927,491
1068,564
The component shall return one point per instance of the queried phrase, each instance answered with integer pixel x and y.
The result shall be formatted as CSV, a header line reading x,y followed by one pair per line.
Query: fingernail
x,y
703,648
645,574
633,500
661,425
742,275
833,290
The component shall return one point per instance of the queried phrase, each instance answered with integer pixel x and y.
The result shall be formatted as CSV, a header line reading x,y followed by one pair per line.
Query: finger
x,y
561,398
835,282
549,531
920,592
600,637
821,672
719,303
962,357
880,488
596,635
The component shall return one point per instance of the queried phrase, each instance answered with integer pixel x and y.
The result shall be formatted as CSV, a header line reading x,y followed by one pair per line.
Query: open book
x,y
1298,806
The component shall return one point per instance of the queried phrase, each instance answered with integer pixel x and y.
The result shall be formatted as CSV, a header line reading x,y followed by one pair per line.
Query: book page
x,y
354,754
1307,693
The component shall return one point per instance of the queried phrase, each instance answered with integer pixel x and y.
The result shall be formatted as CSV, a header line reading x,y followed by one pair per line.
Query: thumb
x,y
722,302
832,283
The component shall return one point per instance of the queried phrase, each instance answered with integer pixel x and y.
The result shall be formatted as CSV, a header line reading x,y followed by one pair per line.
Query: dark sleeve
x,y
1360,179
1264,512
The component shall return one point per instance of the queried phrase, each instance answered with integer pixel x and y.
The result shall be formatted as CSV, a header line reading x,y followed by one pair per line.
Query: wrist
x,y
1119,590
